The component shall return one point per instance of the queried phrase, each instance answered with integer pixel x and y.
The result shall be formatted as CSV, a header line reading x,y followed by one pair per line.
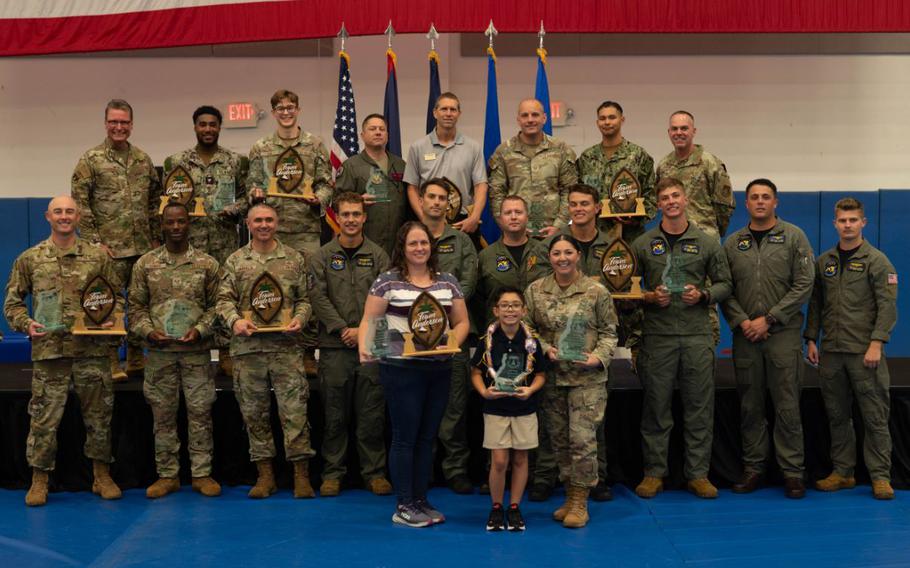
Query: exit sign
x,y
558,113
241,115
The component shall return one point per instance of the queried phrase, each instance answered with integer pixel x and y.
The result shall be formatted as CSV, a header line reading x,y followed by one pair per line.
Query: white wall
x,y
808,122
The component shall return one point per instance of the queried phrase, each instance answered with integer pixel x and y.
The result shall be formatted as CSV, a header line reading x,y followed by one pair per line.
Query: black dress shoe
x,y
794,488
748,483
461,484
484,488
540,492
601,492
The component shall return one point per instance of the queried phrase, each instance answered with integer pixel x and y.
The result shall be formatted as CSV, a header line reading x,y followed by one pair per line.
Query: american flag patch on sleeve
x,y
892,278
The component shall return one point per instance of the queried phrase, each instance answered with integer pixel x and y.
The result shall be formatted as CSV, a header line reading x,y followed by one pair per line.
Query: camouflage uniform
x,y
265,357
383,219
55,280
458,257
598,171
118,203
541,174
574,398
851,306
677,346
222,185
773,277
338,289
164,285
300,223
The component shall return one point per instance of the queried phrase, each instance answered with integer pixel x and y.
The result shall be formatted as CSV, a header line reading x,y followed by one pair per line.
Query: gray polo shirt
x,y
462,162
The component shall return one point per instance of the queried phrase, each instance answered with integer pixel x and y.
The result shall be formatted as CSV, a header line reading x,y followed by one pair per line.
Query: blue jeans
x,y
416,393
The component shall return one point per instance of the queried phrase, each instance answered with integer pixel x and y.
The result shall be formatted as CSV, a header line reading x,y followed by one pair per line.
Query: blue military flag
x,y
390,106
435,90
491,140
542,89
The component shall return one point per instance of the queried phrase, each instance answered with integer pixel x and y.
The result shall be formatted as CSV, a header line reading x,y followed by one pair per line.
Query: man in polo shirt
x,y
446,153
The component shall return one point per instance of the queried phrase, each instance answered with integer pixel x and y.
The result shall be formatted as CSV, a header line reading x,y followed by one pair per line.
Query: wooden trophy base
x,y
639,210
284,320
634,292
197,210
273,191
411,351
79,327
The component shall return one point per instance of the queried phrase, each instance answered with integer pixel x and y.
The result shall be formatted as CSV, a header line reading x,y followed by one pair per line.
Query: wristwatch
x,y
770,320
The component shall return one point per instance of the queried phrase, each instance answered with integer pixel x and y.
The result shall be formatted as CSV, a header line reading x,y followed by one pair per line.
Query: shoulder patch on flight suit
x,y
856,266
446,248
777,239
892,278
365,261
744,243
830,268
690,248
503,264
338,262
658,247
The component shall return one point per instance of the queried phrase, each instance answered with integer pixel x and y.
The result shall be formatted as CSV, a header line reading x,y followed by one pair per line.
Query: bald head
x,y
530,104
531,120
63,217
62,201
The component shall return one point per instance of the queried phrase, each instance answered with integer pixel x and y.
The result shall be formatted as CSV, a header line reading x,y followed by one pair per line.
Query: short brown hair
x,y
667,183
849,204
585,189
118,104
447,95
347,197
443,182
513,198
284,94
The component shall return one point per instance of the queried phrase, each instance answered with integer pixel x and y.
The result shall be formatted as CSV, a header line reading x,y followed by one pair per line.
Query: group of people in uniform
x,y
547,203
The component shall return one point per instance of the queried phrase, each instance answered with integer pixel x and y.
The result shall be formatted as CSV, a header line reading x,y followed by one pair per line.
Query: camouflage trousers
x,y
773,365
351,390
123,268
253,373
166,375
663,360
91,378
573,415
452,430
843,377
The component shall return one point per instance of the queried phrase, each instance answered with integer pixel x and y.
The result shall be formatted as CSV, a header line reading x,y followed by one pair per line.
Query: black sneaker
x,y
496,520
411,516
601,492
516,521
435,515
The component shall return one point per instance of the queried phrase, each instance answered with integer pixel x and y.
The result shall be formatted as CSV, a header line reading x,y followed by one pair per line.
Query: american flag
x,y
344,136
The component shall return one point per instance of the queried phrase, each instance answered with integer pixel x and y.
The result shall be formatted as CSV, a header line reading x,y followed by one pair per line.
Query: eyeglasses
x,y
291,109
119,122
510,307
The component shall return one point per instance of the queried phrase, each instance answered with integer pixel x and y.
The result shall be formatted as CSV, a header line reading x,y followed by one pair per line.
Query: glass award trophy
x,y
179,317
573,340
377,338
673,277
49,311
511,373
377,186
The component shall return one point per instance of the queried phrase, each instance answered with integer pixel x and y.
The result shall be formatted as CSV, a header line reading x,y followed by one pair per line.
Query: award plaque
x,y
49,311
623,197
288,177
574,338
98,302
511,373
267,302
673,277
179,188
453,209
377,338
378,187
618,267
428,322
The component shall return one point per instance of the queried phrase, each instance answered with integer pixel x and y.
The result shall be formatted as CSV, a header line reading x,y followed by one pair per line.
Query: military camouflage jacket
x,y
55,280
458,257
361,174
238,275
339,286
118,201
550,308
541,174
702,259
598,171
708,188
295,216
496,268
589,264
172,293
222,186
854,304
774,277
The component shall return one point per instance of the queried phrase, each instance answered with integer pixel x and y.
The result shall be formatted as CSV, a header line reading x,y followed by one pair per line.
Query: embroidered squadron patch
x,y
338,262
830,268
658,247
744,243
503,264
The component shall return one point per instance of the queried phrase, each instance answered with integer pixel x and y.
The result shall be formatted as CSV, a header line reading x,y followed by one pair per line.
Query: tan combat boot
x,y
265,483
881,489
330,488
559,515
207,486
117,372
37,493
649,487
103,484
135,359
703,488
162,487
302,487
835,482
380,486
226,362
577,516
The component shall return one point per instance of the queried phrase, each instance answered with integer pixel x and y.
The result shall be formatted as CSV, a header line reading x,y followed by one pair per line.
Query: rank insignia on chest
x,y
503,264
532,261
744,243
830,268
777,239
658,247
446,248
365,261
856,266
337,262
690,248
